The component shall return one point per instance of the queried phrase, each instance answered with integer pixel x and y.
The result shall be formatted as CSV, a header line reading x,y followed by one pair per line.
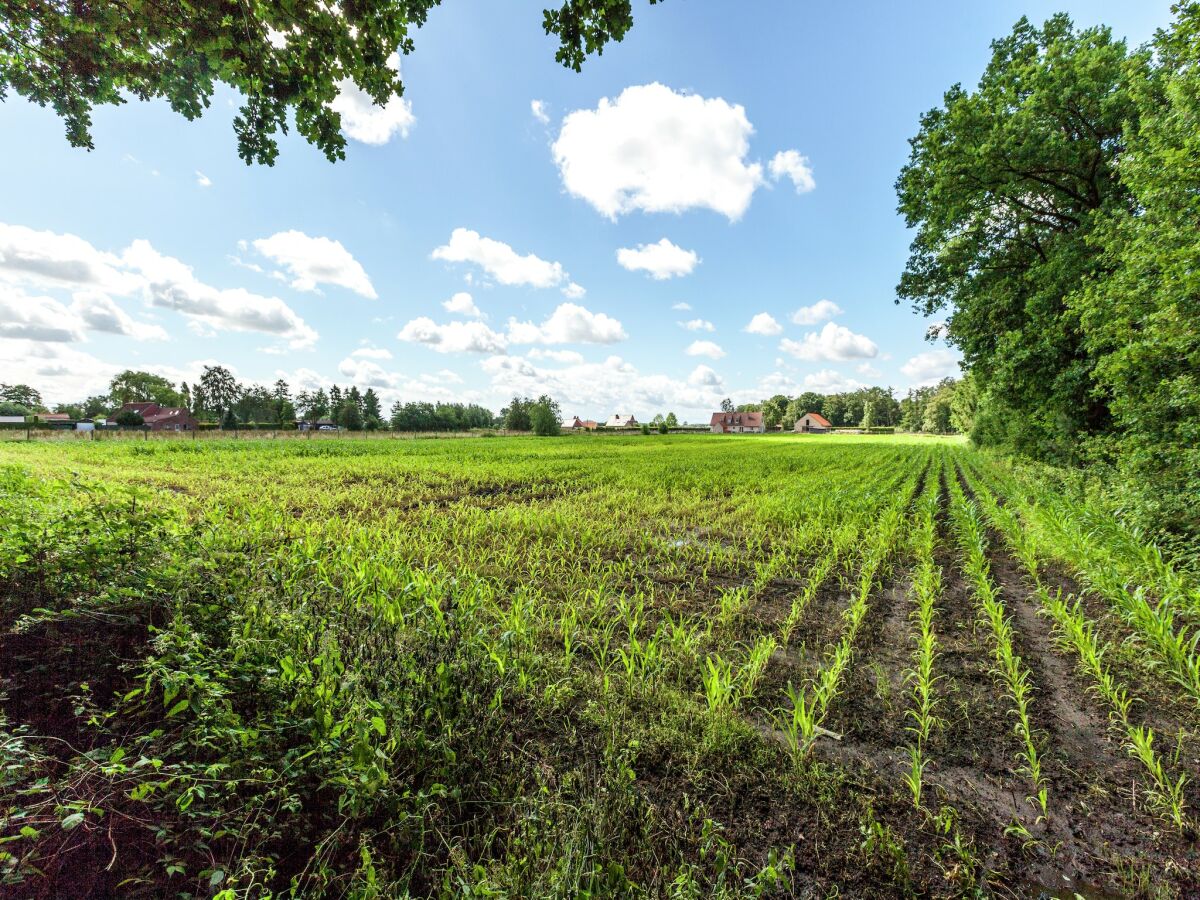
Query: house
x,y
620,420
53,417
322,424
812,423
737,423
162,418
578,424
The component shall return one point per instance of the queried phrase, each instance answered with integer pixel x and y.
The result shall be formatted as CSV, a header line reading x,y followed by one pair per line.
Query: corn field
x,y
679,666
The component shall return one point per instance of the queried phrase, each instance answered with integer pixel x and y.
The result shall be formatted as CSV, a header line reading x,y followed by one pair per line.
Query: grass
x,y
514,667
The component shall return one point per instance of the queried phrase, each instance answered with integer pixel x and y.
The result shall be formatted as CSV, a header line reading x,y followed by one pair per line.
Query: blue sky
x,y
761,148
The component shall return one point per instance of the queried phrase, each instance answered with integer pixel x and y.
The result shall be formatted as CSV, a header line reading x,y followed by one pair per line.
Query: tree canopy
x,y
289,61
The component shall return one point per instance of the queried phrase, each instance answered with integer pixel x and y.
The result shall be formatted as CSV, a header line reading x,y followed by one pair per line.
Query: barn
x,y
812,423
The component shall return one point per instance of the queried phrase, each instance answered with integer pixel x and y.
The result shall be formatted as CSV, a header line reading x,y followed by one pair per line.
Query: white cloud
x,y
568,324
99,312
703,376
559,356
453,337
821,311
790,164
499,260
372,353
698,325
171,284
705,348
363,120
66,262
656,150
827,381
538,108
681,306
833,342
599,388
60,371
463,304
50,260
867,370
202,179
26,317
315,260
574,291
764,323
931,366
660,261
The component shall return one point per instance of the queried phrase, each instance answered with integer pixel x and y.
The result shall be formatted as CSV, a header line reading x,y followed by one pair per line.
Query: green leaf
x,y
379,725
72,821
178,707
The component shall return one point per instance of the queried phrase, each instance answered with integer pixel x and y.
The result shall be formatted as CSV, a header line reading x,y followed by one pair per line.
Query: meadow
x,y
666,666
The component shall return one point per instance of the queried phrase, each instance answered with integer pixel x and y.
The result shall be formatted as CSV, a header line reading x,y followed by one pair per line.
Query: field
x,y
686,666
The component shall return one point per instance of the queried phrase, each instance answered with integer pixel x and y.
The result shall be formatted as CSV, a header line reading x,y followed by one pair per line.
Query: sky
x,y
707,210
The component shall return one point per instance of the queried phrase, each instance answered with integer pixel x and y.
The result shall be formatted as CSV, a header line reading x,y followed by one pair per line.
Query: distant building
x,y
737,423
162,418
812,423
53,417
620,420
578,424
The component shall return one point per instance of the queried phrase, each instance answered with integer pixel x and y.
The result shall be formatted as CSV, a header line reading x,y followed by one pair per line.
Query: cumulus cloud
x,y
931,367
790,164
59,370
658,150
171,284
681,306
99,312
53,261
202,179
602,387
453,337
363,120
574,291
311,261
27,317
705,348
559,356
499,260
538,108
570,323
833,342
828,381
463,304
765,324
704,376
698,325
821,311
660,261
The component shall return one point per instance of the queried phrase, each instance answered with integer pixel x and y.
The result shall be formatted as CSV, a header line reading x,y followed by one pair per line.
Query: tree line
x,y
1057,233
945,408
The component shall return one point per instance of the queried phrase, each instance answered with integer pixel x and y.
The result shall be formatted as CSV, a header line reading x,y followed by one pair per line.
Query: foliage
x,y
129,418
22,395
142,387
545,417
414,416
288,62
9,408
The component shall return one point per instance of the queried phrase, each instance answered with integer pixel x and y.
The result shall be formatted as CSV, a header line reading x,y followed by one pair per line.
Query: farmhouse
x,y
162,418
578,424
620,420
737,423
812,423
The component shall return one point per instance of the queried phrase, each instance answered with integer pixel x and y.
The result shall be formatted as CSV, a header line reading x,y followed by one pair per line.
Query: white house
x,y
619,420
812,422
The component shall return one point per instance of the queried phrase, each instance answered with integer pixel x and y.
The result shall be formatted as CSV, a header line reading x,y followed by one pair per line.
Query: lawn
x,y
683,666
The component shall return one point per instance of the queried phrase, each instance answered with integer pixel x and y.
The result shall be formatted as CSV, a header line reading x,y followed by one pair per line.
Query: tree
x,y
286,61
868,416
22,395
545,417
372,412
185,395
9,408
129,418
1004,186
229,421
74,410
516,415
349,417
133,386
97,405
220,389
727,405
672,422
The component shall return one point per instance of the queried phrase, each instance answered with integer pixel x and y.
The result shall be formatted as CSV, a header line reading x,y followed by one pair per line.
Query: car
x,y
327,428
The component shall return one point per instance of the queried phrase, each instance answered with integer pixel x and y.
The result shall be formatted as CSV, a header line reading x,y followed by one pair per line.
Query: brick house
x,y
161,418
812,423
737,423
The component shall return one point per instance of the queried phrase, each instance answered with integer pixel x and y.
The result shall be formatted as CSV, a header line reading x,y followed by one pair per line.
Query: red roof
x,y
819,419
736,419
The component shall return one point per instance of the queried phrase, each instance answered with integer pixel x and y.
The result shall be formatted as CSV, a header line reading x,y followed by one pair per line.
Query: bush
x,y
128,418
